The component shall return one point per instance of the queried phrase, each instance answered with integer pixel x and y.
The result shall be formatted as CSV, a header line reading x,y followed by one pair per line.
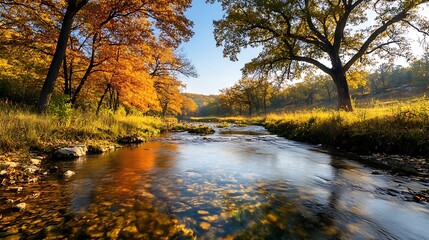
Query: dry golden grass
x,y
390,127
22,130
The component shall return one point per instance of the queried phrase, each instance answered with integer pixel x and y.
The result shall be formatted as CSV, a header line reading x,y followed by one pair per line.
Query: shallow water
x,y
240,183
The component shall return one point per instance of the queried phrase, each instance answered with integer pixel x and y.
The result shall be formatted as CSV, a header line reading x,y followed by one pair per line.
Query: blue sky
x,y
215,71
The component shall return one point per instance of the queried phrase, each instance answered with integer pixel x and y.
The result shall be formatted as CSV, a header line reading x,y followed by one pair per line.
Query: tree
x,y
265,89
420,71
73,6
310,88
188,106
127,82
116,51
228,103
247,93
327,85
303,33
168,92
21,71
358,80
135,20
100,21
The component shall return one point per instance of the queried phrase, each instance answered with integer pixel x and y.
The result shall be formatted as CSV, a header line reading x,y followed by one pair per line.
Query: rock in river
x,y
35,161
32,169
205,225
69,173
20,207
74,152
134,139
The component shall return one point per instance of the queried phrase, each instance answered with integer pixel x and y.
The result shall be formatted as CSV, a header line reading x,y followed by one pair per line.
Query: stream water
x,y
240,183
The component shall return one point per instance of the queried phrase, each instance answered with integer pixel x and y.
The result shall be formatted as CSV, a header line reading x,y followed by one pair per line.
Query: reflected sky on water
x,y
234,185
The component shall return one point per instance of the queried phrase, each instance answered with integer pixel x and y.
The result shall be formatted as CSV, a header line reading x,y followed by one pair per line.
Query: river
x,y
239,183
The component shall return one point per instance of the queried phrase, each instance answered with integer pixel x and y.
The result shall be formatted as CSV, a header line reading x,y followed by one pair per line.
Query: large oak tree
x,y
331,35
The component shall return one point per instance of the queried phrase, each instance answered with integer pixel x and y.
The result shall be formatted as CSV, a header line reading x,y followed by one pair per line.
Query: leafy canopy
x,y
328,34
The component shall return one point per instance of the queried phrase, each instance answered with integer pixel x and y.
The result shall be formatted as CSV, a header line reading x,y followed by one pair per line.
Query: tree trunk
x,y
48,86
250,109
344,100
116,105
66,77
102,98
265,105
87,72
329,95
164,109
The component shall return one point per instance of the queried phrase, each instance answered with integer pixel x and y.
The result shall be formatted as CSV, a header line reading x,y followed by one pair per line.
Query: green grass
x,y
22,130
192,128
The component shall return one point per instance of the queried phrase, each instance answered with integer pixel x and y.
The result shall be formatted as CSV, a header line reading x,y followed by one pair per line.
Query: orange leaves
x,y
188,106
135,39
125,73
122,49
131,22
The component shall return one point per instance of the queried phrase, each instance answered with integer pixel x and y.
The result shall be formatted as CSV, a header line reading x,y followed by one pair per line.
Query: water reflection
x,y
120,174
232,186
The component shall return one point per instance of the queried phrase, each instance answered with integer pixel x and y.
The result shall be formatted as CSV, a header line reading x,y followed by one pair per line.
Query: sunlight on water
x,y
228,185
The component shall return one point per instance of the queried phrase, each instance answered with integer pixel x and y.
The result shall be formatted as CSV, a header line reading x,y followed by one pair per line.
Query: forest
x,y
117,56
260,95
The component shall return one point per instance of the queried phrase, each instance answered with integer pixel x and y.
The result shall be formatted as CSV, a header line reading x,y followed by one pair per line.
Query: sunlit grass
x,y
391,127
23,130
416,109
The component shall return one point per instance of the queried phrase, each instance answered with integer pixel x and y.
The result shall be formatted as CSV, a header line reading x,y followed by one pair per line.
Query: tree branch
x,y
316,63
415,27
373,36
380,46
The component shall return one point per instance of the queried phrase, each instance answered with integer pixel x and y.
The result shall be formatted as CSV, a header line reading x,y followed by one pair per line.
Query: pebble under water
x,y
240,183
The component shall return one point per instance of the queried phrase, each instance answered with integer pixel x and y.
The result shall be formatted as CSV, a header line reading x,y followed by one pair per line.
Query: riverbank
x,y
389,135
28,140
25,132
398,129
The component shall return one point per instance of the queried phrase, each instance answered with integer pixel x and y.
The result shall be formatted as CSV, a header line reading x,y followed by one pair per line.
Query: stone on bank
x,y
70,153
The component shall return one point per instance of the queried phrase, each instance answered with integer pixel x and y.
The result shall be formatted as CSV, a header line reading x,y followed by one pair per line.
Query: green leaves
x,y
332,36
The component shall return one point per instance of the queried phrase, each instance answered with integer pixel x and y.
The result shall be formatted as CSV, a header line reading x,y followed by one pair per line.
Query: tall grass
x,y
22,130
396,127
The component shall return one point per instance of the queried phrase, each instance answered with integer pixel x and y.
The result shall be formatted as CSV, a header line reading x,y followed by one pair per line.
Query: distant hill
x,y
202,100
207,104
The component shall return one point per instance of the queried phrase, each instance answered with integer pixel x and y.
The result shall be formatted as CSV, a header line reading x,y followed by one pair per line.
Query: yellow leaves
x,y
357,78
4,64
5,68
188,106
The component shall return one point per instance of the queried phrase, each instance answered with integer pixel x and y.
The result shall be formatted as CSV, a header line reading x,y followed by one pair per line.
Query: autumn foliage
x,y
119,54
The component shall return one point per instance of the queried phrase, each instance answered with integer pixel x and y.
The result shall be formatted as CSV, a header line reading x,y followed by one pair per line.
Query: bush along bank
x,y
383,136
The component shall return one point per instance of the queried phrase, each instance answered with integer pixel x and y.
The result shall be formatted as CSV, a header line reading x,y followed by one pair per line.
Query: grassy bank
x,y
23,131
389,126
386,127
